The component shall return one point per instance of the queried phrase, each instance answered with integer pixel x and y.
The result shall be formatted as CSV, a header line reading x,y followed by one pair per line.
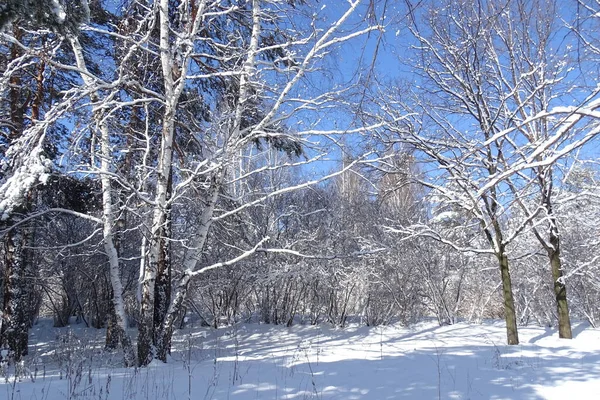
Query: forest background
x,y
297,162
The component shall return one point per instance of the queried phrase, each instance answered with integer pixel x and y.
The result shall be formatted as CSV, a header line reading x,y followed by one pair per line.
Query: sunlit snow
x,y
250,361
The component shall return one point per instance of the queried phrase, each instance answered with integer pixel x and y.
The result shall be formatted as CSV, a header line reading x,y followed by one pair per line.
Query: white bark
x,y
236,139
108,212
173,73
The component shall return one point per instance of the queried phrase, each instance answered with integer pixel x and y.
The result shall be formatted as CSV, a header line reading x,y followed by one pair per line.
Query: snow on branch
x,y
292,188
354,254
232,261
426,231
50,211
26,165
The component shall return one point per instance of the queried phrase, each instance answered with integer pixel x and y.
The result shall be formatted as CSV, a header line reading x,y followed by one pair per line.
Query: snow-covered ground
x,y
249,361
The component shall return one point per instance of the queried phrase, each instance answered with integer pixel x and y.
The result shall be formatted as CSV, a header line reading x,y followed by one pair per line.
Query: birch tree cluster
x,y
175,162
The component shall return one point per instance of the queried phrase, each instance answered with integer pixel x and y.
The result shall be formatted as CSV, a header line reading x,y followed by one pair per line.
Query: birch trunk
x,y
162,289
108,214
146,350
163,342
233,142
189,264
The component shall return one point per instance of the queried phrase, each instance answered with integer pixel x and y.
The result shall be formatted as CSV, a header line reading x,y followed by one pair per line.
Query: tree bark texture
x,y
560,290
510,316
108,212
15,321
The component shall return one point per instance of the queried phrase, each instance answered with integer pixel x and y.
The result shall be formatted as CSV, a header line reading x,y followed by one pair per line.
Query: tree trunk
x,y
162,286
510,315
553,249
145,325
560,290
157,242
173,88
15,324
165,333
112,335
189,264
15,321
108,212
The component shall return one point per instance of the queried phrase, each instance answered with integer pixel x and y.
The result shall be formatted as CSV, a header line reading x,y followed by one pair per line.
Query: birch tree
x,y
242,125
246,66
26,160
108,206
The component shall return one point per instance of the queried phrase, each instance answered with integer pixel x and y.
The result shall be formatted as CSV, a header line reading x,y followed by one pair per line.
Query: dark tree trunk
x,y
112,336
560,290
19,299
162,287
510,315
162,299
16,322
553,249
145,327
165,333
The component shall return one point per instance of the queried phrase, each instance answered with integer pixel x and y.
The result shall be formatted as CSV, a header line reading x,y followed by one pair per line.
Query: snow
x,y
446,216
33,169
251,361
59,11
